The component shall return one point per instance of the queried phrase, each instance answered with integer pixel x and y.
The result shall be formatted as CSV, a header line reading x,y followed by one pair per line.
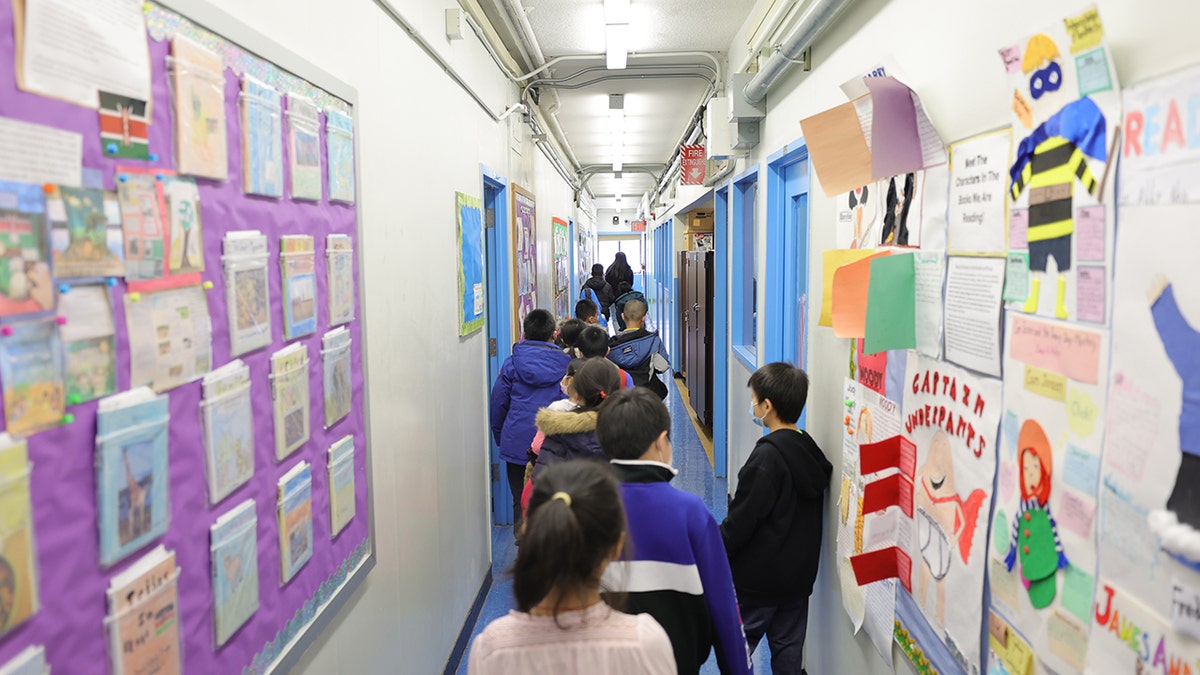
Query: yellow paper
x,y
1086,30
1009,647
833,259
838,149
1068,640
1045,383
1081,413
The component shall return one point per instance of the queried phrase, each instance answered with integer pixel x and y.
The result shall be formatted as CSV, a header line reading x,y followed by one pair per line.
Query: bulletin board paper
x,y
468,214
524,243
978,219
73,587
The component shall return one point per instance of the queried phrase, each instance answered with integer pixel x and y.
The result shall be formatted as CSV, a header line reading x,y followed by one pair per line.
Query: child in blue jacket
x,y
530,379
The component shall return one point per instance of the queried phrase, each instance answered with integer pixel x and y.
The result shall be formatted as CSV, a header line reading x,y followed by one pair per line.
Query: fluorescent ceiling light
x,y
616,11
618,163
617,41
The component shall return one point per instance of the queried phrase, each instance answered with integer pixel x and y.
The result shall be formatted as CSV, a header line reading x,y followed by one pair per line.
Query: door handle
x,y
696,307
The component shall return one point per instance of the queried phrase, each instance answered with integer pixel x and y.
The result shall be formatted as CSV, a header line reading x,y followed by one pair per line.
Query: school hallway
x,y
695,476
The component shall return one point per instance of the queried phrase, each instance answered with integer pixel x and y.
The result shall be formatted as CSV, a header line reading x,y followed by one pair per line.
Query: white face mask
x,y
758,421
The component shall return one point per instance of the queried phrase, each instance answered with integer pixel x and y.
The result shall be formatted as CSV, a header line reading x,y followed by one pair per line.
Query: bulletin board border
x,y
209,17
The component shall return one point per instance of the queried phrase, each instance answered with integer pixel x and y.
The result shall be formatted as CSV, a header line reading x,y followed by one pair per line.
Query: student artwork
x,y
228,429
339,265
341,484
198,85
304,147
952,417
234,555
131,472
339,143
247,294
85,233
143,220
124,127
185,256
468,213
562,254
88,342
31,370
978,217
295,520
18,558
299,285
143,616
262,138
1066,106
289,390
889,212
335,365
170,337
1149,508
1044,529
524,256
26,284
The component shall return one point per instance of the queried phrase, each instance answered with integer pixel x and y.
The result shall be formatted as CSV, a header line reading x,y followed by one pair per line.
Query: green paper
x,y
1042,591
1016,276
891,305
1077,590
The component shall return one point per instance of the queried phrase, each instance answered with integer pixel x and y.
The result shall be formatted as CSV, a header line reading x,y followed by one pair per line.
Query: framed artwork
x,y
524,239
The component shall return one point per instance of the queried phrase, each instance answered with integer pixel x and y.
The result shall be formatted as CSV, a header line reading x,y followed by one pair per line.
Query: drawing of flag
x,y
123,127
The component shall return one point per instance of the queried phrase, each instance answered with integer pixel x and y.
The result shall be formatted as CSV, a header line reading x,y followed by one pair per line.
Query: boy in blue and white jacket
x,y
640,352
679,573
530,379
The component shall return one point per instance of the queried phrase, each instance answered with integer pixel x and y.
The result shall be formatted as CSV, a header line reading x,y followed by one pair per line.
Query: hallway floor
x,y
695,475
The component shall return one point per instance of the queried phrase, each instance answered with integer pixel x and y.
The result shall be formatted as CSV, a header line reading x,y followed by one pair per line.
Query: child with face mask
x,y
773,531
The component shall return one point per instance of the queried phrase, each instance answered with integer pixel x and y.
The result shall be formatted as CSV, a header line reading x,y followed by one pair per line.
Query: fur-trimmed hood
x,y
556,423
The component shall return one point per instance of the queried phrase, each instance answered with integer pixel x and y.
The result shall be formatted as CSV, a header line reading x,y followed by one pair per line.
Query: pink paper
x,y
1012,59
1089,233
1018,229
1076,513
895,140
1007,480
1089,294
1060,349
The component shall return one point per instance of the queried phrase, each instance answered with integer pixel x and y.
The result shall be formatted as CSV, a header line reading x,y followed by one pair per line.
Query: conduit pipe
x,y
819,16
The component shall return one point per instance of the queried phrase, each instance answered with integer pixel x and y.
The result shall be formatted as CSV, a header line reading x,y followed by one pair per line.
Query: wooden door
x,y
681,360
704,329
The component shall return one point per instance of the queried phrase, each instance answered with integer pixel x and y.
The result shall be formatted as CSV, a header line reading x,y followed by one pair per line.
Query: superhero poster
x,y
951,416
1066,112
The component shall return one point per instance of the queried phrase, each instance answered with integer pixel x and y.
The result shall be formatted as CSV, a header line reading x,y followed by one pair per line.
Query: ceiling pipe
x,y
780,15
819,16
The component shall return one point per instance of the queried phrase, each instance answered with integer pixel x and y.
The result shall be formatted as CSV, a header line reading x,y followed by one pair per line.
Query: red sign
x,y
638,226
691,165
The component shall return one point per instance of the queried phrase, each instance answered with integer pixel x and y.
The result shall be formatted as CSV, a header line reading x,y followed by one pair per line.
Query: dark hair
x,y
567,539
784,385
586,309
623,288
539,325
568,332
593,341
594,381
630,421
597,270
891,225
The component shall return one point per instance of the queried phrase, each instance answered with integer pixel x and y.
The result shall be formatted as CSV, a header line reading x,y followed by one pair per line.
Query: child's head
x,y
594,381
597,270
1035,460
785,386
586,311
593,341
539,325
623,287
568,332
634,313
634,423
575,526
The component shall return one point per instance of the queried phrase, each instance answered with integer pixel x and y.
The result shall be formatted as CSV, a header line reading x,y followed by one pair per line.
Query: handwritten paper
x,y
1132,428
1068,640
1045,383
1092,69
1018,229
839,151
1077,589
1016,276
1086,30
1185,609
1081,470
1010,428
973,290
1076,514
978,194
32,153
929,268
1012,59
831,260
1007,480
1082,412
74,49
1090,293
1074,352
1089,233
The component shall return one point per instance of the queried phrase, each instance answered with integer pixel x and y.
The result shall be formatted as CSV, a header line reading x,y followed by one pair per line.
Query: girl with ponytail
x,y
575,527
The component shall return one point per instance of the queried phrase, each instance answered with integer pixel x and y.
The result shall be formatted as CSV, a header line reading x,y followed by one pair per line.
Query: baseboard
x,y
464,635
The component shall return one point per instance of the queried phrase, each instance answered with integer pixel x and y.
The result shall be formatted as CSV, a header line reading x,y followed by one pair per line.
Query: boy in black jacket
x,y
773,531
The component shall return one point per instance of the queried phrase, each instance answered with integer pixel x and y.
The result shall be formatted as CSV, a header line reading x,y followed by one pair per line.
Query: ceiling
x,y
661,93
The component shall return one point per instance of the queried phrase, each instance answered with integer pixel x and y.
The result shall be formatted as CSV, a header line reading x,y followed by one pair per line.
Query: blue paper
x,y
131,477
470,263
1081,470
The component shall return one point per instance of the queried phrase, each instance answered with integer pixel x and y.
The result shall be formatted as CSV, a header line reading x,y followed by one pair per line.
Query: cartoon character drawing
x,y
895,218
1182,344
1049,161
1035,533
945,521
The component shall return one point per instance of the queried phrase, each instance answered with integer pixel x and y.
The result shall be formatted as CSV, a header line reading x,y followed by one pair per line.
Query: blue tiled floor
x,y
695,475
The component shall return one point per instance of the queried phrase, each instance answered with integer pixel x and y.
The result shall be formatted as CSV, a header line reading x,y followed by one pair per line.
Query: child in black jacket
x,y
773,531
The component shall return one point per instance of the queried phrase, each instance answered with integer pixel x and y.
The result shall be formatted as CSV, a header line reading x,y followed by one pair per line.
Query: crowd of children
x,y
617,571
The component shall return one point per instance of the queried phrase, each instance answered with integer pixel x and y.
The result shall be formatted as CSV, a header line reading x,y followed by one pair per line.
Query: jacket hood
x,y
539,364
555,423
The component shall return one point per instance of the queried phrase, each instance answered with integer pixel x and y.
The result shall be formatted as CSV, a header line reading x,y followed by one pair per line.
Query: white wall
x,y
948,51
422,139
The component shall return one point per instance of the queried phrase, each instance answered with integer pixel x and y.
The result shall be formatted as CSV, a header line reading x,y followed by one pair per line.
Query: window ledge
x,y
747,355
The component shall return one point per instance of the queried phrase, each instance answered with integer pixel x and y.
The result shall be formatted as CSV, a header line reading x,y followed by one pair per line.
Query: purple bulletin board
x,y
72,585
524,238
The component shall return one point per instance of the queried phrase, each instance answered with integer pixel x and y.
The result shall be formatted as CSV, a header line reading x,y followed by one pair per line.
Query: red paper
x,y
895,490
883,564
872,370
896,452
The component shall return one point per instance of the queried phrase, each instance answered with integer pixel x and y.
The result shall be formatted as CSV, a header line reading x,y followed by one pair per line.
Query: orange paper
x,y
851,284
833,259
838,149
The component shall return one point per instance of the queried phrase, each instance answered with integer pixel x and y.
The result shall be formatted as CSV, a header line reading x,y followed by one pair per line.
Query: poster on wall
x,y
583,252
978,219
1043,544
1066,107
468,216
524,242
561,249
1149,511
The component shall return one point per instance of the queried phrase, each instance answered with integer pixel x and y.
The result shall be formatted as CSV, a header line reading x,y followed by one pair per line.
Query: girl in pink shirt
x,y
575,527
